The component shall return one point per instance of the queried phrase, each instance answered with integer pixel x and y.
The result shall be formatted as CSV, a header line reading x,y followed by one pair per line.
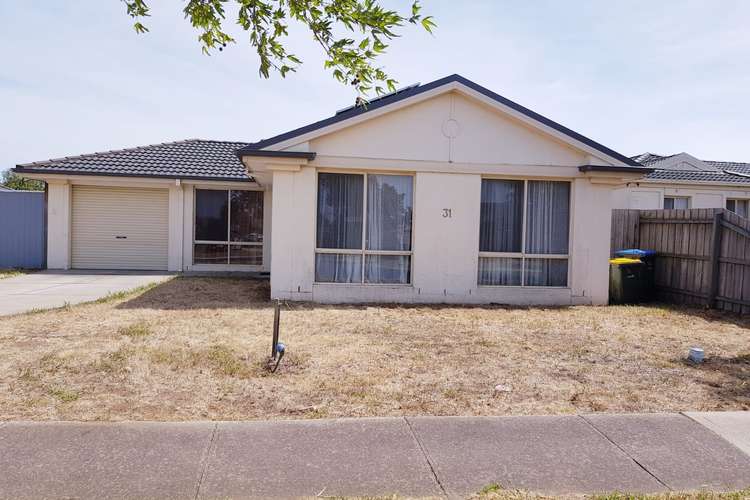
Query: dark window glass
x,y
209,254
340,199
501,216
248,255
211,215
246,218
546,272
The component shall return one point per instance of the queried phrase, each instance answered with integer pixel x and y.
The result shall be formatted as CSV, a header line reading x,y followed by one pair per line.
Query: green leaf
x,y
351,33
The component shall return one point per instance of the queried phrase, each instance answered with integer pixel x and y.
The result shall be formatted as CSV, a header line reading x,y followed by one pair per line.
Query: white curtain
x,y
389,210
338,268
547,217
389,219
387,269
501,216
499,271
340,199
546,272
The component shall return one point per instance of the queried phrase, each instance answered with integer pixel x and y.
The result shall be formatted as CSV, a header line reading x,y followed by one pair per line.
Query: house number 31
x,y
447,213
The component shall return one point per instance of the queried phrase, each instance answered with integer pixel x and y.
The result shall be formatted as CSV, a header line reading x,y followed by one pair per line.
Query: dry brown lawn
x,y
195,348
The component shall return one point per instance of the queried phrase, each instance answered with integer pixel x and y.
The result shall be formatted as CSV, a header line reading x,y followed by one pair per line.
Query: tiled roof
x,y
726,173
189,159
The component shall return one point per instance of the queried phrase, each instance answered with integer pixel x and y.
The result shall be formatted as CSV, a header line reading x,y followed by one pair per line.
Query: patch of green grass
x,y
224,360
218,358
64,395
136,330
690,495
496,492
114,296
491,488
10,273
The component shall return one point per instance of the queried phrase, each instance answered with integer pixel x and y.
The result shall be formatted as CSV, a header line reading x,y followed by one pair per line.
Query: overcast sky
x,y
660,76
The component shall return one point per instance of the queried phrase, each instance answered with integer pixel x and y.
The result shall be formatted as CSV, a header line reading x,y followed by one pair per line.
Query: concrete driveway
x,y
48,289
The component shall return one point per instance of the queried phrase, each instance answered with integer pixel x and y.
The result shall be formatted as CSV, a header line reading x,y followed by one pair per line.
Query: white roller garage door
x,y
119,228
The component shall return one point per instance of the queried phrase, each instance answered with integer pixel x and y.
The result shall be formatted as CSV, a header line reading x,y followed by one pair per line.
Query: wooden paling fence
x,y
703,255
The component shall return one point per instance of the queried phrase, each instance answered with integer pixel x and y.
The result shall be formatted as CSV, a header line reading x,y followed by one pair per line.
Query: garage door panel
x,y
120,228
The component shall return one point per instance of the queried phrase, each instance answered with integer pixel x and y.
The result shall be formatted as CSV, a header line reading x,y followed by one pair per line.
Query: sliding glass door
x,y
228,227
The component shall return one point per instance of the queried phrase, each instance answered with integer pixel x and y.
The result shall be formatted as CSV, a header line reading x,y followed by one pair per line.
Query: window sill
x,y
368,285
528,287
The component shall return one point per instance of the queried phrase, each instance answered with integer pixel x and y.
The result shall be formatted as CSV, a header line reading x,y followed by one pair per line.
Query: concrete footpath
x,y
413,457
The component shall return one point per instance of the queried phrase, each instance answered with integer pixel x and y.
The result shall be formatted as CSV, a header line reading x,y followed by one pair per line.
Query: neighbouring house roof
x,y
188,159
727,172
414,90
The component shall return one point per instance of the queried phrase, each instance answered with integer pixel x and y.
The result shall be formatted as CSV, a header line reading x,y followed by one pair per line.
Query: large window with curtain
x,y
364,227
524,230
228,227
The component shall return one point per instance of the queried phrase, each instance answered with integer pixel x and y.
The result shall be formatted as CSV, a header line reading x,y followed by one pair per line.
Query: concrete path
x,y
49,289
416,457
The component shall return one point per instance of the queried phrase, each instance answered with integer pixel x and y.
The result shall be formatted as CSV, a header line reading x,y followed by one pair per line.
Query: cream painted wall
x,y
452,128
590,241
646,196
293,234
445,248
58,224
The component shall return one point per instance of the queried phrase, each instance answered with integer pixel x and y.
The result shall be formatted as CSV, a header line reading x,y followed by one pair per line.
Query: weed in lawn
x,y
226,361
64,395
114,362
136,330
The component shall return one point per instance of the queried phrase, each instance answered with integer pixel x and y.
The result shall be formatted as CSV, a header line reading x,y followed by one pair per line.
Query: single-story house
x,y
683,181
444,192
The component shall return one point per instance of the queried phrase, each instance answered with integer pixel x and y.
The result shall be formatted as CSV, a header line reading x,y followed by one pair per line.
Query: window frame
x,y
363,252
522,254
675,197
735,201
228,242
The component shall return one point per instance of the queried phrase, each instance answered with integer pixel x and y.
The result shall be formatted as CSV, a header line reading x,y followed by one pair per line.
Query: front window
x,y
524,233
364,227
676,202
228,227
740,207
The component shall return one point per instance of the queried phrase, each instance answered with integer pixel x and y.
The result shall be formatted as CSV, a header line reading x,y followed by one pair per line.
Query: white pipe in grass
x,y
696,355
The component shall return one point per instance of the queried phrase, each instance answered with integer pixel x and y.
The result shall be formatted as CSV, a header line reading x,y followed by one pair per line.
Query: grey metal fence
x,y
22,230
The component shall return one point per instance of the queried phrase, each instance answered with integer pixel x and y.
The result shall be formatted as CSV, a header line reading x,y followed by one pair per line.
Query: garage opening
x,y
119,228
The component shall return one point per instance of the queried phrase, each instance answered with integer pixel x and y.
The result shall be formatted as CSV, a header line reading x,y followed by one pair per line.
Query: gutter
x,y
305,155
612,168
43,171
